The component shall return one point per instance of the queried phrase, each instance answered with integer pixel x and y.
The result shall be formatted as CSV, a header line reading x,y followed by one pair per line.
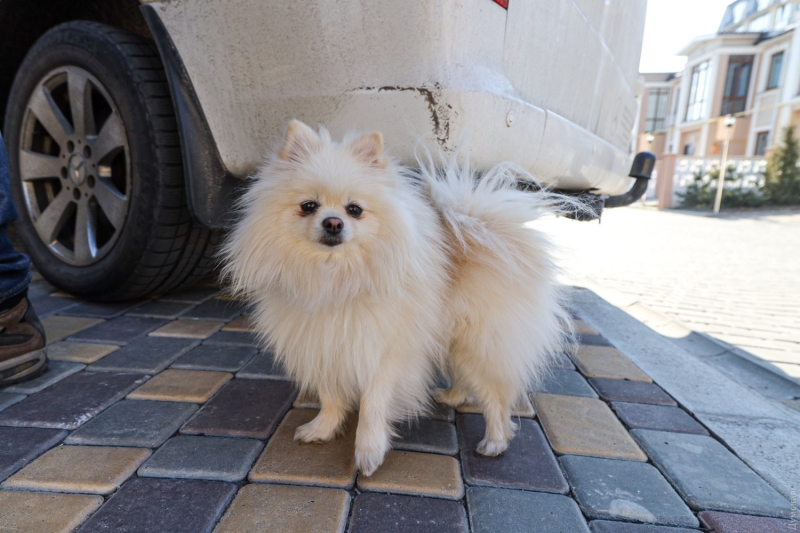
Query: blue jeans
x,y
15,274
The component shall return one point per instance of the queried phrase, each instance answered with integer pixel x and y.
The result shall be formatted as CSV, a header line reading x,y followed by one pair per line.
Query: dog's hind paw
x,y
492,448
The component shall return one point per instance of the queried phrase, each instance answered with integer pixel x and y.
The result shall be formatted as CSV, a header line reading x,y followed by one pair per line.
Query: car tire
x,y
102,204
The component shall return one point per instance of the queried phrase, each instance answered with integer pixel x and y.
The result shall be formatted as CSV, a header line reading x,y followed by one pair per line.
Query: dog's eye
x,y
354,210
309,207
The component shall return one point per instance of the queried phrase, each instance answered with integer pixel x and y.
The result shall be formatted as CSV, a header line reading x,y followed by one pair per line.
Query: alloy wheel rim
x,y
74,163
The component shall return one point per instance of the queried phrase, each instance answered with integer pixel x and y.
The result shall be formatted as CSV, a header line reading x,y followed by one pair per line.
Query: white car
x,y
131,127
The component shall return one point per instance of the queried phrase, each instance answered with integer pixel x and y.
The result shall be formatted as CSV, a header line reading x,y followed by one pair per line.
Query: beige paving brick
x,y
191,329
422,474
87,469
607,362
285,460
523,408
240,323
79,352
286,508
172,385
59,327
41,512
584,426
583,327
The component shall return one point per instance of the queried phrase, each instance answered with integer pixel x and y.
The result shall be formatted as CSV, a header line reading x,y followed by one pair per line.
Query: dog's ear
x,y
301,142
369,149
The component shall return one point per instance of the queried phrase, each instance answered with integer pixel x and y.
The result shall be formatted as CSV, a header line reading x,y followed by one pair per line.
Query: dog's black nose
x,y
333,225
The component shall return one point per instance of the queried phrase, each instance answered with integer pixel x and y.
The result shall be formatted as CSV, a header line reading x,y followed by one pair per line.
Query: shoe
x,y
22,343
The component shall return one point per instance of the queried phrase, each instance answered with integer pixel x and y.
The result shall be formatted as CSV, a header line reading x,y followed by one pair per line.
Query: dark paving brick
x,y
562,361
592,340
568,382
8,399
120,330
243,408
168,505
441,412
604,526
233,338
215,458
55,372
140,423
708,476
225,310
50,305
71,402
39,288
148,355
737,523
494,510
389,513
528,463
660,417
262,366
19,446
101,310
159,309
625,490
631,391
427,435
216,357
193,295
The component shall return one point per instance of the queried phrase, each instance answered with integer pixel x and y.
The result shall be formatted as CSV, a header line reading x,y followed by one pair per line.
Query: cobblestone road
x,y
736,278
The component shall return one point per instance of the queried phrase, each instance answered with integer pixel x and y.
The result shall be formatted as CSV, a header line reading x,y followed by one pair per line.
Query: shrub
x,y
783,175
703,190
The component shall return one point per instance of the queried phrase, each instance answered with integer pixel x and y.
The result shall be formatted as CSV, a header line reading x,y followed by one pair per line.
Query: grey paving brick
x,y
193,295
225,310
139,423
215,357
563,381
625,490
493,510
50,305
660,417
55,372
8,399
148,355
427,435
161,309
631,391
214,458
173,505
592,339
708,476
562,361
391,513
737,523
262,366
756,377
441,412
243,408
101,309
72,401
120,330
605,526
40,288
19,446
528,463
233,338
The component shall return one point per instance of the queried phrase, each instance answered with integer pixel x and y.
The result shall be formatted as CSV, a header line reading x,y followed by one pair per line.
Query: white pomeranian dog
x,y
367,278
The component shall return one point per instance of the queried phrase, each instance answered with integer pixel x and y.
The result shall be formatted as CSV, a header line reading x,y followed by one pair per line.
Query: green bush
x,y
702,192
782,176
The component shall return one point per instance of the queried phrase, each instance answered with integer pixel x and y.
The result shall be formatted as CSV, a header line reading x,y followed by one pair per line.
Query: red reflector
x,y
502,3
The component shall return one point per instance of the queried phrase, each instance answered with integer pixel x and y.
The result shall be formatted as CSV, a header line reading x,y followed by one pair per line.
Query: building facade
x,y
751,69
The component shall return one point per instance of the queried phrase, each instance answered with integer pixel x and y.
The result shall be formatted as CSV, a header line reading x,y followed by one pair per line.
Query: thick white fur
x,y
442,271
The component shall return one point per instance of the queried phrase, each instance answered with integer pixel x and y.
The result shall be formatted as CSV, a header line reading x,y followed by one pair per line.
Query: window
x,y
761,142
737,83
761,24
775,71
688,149
657,100
697,92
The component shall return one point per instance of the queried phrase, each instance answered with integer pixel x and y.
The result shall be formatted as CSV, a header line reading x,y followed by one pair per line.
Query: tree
x,y
782,176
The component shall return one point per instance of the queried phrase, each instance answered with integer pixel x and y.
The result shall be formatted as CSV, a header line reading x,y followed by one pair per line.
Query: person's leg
x,y
22,338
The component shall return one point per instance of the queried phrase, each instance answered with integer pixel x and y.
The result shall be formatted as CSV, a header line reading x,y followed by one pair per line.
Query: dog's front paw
x,y
315,431
492,448
450,397
368,461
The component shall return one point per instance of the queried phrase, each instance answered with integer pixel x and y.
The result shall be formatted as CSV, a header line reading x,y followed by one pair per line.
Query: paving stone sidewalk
x,y
163,415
